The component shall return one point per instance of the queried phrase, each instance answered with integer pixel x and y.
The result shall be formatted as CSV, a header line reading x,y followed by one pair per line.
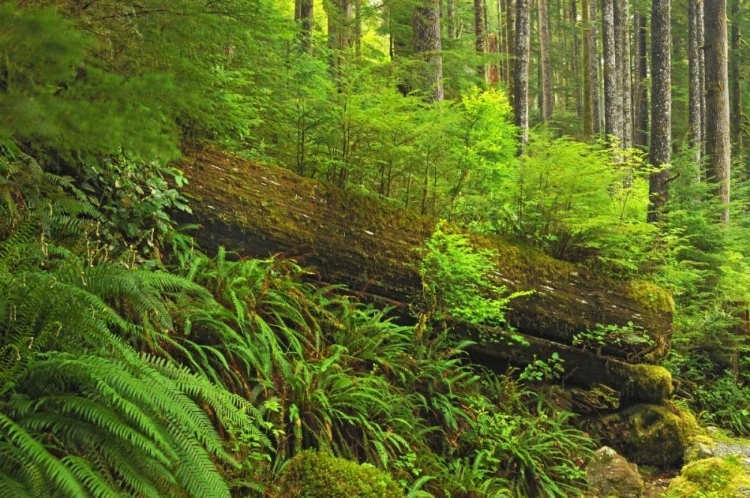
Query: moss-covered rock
x,y
655,435
712,478
311,474
610,474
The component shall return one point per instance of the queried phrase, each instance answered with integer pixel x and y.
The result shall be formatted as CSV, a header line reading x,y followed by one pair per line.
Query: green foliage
x,y
540,370
313,474
457,280
619,335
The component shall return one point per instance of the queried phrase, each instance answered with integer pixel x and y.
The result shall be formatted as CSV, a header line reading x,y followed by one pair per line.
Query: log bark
x,y
370,245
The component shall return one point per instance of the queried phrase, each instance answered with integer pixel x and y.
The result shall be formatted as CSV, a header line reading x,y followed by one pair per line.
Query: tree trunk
x,y
595,78
451,18
588,61
736,76
661,107
576,64
695,87
479,35
426,24
612,78
511,46
545,68
623,57
641,93
303,14
521,68
718,146
493,49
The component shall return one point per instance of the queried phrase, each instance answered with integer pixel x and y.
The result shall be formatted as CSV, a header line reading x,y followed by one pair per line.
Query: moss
x,y
711,478
651,296
658,434
311,474
648,382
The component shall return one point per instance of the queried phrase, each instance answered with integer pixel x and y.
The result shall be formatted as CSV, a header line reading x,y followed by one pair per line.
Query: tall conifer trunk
x,y
576,64
479,34
612,79
736,61
595,69
521,68
623,57
718,146
303,14
545,68
661,107
640,138
695,86
426,24
588,83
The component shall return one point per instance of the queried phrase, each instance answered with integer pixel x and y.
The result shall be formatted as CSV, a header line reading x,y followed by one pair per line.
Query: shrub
x,y
311,474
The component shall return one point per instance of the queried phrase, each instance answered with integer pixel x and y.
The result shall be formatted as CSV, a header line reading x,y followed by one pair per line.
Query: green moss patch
x,y
711,478
311,474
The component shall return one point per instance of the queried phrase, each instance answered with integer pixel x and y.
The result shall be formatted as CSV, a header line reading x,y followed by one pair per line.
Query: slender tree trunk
x,y
479,32
695,87
451,18
737,118
701,34
426,24
718,146
521,68
661,107
640,138
493,49
588,87
612,79
545,68
511,53
576,64
623,56
595,79
303,14
358,28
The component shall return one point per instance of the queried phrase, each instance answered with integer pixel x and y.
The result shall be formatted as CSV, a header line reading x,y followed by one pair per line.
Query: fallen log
x,y
369,244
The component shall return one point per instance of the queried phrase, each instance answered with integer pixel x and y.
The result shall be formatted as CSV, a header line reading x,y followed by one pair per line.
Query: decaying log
x,y
369,244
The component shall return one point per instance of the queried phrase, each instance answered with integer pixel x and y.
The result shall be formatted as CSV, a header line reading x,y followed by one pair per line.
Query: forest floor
x,y
657,485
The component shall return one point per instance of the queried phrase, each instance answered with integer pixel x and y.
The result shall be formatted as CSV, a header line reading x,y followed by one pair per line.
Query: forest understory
x,y
263,248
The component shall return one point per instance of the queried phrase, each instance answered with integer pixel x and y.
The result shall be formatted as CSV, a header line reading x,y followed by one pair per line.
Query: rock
x,y
648,434
611,475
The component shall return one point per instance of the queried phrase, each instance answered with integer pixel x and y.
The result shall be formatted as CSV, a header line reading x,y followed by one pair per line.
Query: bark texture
x,y
623,67
588,82
736,76
640,138
718,146
304,15
545,67
695,87
612,79
260,210
661,106
426,25
521,68
595,77
479,34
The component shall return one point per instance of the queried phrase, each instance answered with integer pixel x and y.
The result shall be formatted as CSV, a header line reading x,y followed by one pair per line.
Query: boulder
x,y
611,475
648,434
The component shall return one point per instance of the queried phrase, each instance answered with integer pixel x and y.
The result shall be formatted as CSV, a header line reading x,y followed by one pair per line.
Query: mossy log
x,y
369,244
639,383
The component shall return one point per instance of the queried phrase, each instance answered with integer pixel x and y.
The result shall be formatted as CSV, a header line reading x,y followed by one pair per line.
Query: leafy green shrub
x,y
457,282
313,474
